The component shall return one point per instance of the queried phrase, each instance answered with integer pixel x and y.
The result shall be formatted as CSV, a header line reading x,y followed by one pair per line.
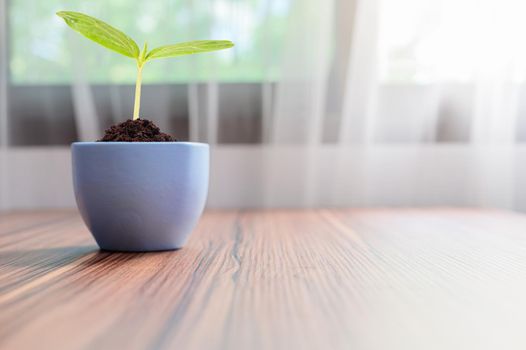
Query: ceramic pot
x,y
140,196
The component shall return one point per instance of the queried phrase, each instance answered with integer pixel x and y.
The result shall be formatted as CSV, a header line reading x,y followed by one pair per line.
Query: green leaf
x,y
101,33
188,48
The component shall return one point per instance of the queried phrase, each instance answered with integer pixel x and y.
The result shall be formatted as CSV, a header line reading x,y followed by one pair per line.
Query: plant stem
x,y
137,105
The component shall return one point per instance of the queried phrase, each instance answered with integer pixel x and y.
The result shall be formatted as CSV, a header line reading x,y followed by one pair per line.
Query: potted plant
x,y
137,188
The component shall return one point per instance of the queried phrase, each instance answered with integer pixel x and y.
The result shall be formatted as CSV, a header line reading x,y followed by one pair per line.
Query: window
x,y
425,41
44,51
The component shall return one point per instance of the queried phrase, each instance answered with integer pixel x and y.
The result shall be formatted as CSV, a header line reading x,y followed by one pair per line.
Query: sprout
x,y
115,40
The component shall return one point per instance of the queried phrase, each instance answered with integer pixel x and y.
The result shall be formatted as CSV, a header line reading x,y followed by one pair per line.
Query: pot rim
x,y
135,144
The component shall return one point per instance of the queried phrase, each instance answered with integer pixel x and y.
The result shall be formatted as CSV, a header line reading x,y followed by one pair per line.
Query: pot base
x,y
139,251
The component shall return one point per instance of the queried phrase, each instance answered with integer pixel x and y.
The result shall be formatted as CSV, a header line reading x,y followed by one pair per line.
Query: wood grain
x,y
284,279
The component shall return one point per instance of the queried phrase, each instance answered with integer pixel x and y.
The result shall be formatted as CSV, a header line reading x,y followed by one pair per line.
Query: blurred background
x,y
320,103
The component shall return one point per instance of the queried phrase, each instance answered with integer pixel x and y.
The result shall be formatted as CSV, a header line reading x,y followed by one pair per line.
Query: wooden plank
x,y
280,279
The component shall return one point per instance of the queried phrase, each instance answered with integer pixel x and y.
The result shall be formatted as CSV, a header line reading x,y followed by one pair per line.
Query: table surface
x,y
283,279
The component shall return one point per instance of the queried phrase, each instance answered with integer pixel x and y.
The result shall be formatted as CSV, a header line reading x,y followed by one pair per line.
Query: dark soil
x,y
140,130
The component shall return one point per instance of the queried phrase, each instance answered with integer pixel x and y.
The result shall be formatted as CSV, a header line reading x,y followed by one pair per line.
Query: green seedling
x,y
115,40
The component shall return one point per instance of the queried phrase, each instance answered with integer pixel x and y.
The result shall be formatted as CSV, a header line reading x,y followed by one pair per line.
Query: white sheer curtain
x,y
361,102
3,106
418,75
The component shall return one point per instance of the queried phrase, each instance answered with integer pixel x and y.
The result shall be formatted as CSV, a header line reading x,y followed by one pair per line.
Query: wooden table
x,y
318,279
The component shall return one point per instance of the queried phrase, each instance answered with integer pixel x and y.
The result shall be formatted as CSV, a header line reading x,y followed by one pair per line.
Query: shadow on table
x,y
59,256
46,257
18,267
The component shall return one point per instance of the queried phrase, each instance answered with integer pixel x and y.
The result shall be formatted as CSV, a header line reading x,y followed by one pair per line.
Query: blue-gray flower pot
x,y
140,196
